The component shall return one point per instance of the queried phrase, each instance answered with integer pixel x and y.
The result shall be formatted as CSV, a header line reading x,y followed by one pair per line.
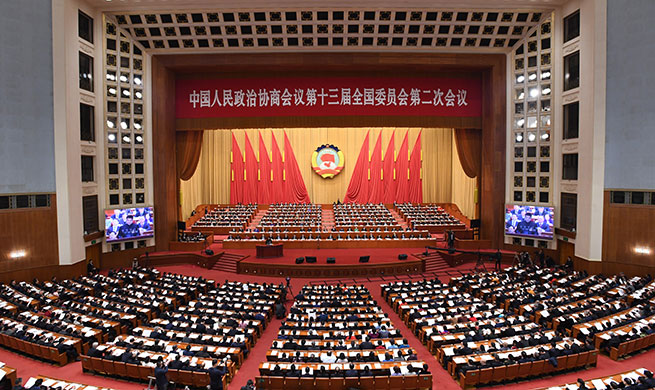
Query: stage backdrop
x,y
444,180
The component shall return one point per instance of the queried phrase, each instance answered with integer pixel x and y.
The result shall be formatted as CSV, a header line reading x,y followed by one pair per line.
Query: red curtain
x,y
188,145
415,180
469,150
264,190
250,180
402,164
236,183
376,187
277,168
295,191
358,188
388,181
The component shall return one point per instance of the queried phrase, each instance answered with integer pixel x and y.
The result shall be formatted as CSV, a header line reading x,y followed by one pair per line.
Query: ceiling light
x,y
123,125
139,138
126,92
112,137
545,136
520,122
546,91
520,79
534,92
124,78
532,76
137,80
110,124
17,254
531,137
126,139
545,75
138,94
519,137
137,125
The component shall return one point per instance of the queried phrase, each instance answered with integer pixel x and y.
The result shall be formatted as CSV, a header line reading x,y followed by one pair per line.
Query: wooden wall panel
x,y
624,228
490,68
163,144
45,272
32,230
122,259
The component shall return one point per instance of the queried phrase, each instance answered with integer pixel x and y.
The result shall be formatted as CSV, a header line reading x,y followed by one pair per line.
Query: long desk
x,y
267,251
334,244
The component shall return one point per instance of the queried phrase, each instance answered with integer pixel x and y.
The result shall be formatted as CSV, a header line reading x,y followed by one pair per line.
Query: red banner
x,y
328,97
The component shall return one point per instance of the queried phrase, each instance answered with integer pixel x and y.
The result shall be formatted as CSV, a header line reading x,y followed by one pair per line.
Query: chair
x,y
292,383
337,383
485,375
410,382
86,363
524,369
630,348
108,367
572,361
132,371
424,381
498,374
96,364
173,376
512,372
470,378
321,384
367,383
537,368
561,362
120,369
200,379
306,383
640,343
145,372
396,383
185,377
351,381
593,358
275,382
261,382
583,358
622,349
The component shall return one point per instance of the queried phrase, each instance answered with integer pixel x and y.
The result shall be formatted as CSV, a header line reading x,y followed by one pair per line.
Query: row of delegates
x,y
332,237
236,216
335,331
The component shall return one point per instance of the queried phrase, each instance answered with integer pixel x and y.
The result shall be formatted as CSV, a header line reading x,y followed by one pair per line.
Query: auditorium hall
x,y
369,195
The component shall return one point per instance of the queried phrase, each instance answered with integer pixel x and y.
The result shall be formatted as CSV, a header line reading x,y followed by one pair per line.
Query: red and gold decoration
x,y
327,161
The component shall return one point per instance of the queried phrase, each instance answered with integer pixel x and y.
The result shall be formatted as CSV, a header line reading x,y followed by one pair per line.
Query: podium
x,y
267,251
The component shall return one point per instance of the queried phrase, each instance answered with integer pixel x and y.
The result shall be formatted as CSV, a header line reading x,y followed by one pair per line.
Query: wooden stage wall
x,y
490,68
444,180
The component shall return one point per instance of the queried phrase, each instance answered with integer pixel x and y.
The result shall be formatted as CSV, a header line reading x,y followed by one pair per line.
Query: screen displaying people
x,y
529,221
124,224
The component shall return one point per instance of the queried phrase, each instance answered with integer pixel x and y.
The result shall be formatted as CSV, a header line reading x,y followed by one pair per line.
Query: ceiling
x,y
202,26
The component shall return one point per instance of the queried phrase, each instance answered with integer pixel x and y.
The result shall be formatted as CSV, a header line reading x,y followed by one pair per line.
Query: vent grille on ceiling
x,y
260,30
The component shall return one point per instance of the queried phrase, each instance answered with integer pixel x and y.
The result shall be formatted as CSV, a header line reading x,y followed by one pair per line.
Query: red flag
x,y
296,191
387,172
250,180
415,179
236,181
376,188
358,188
264,187
402,164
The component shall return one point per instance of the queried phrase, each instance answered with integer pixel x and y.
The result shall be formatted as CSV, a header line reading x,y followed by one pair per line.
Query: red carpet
x,y
442,380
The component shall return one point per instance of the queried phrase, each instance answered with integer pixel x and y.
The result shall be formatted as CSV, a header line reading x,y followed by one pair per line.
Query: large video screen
x,y
529,221
129,224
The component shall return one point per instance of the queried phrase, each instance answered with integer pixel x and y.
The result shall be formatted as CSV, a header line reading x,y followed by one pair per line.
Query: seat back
x,y
276,382
120,369
351,381
173,376
108,367
524,369
572,361
410,381
96,365
200,379
132,371
145,372
424,381
470,378
485,375
322,384
396,382
512,372
367,383
292,383
261,382
537,367
498,374
306,383
185,378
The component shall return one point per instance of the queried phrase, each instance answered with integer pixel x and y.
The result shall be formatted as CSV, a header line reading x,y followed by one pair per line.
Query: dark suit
x,y
216,378
160,378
